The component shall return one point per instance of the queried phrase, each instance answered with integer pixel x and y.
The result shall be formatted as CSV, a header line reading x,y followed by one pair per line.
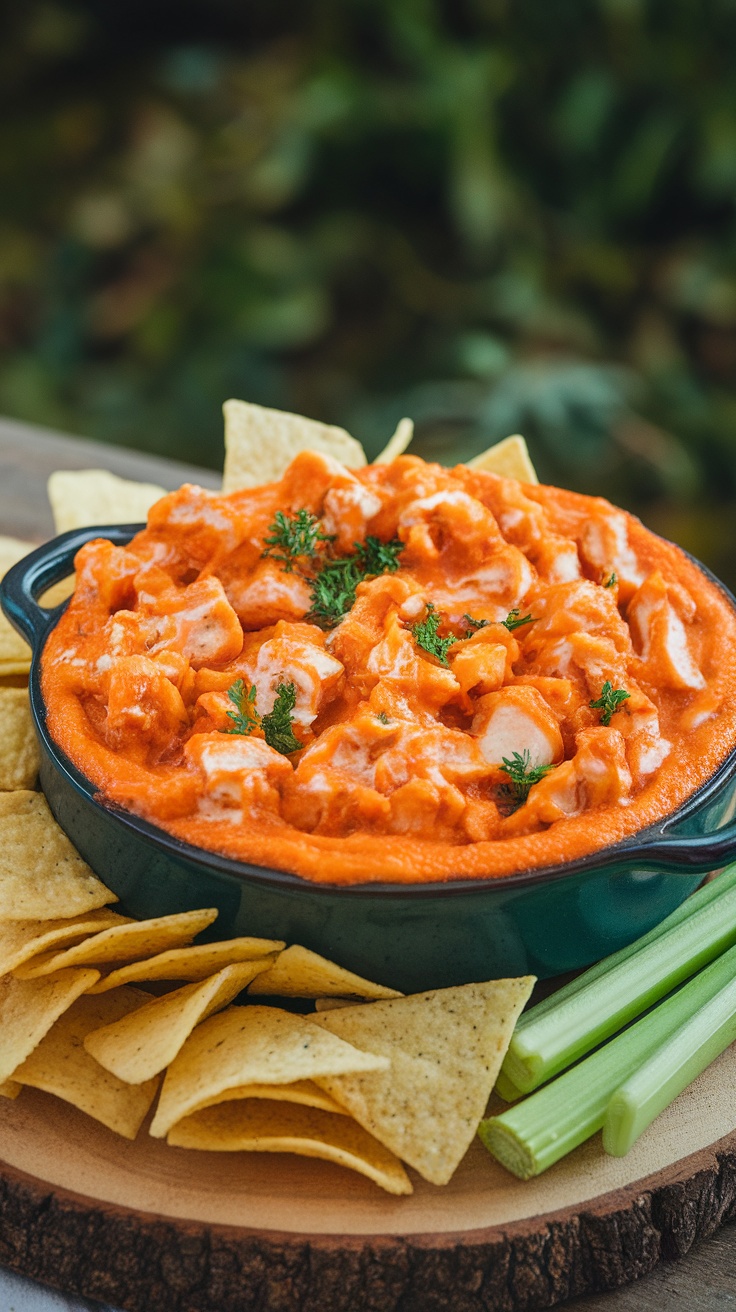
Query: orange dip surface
x,y
176,654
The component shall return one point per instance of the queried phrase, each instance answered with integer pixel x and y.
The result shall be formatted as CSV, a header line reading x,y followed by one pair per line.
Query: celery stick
x,y
506,1089
703,896
673,1066
562,1028
530,1136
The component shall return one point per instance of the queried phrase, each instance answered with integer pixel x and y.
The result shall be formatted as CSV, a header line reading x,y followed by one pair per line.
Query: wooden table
x,y
705,1278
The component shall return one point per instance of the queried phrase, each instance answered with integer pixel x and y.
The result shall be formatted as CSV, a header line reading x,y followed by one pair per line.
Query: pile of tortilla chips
x,y
114,1015
377,1081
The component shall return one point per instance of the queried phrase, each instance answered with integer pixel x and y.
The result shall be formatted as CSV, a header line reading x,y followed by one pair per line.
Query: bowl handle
x,y
24,582
696,855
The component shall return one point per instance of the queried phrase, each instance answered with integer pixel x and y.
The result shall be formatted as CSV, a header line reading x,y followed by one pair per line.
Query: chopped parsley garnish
x,y
382,716
333,591
609,701
515,620
276,726
294,538
426,635
522,775
473,625
611,581
377,557
245,717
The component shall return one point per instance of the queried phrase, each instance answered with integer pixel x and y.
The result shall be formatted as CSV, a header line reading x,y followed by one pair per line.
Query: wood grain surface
x,y
149,1260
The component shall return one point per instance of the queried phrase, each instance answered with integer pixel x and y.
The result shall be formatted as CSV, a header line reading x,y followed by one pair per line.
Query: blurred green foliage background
x,y
491,215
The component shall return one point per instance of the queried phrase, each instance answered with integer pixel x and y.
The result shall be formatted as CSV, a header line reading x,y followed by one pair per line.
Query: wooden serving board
x,y
145,1226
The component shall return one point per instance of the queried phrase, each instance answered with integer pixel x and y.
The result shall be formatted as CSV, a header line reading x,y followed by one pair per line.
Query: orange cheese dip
x,y
399,775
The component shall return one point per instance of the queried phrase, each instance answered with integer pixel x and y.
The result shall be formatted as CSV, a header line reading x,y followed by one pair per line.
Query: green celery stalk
x,y
535,1133
506,1089
564,1027
675,1064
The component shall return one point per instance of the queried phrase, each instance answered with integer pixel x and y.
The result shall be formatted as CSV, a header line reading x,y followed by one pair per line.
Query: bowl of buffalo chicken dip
x,y
439,721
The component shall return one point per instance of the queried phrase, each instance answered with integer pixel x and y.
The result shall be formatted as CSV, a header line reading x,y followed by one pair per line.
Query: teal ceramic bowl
x,y
543,921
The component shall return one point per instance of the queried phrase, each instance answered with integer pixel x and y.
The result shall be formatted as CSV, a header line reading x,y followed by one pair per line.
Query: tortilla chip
x,y
396,446
304,1092
334,1004
133,939
251,1045
11,551
82,497
145,1041
299,973
509,458
15,654
42,877
270,1127
19,754
445,1049
9,1089
196,962
20,940
60,1065
58,592
28,1009
260,444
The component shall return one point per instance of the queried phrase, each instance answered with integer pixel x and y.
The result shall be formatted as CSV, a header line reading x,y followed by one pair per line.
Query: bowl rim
x,y
631,848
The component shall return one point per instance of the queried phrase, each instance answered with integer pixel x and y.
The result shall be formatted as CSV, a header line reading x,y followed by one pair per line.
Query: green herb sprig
x,y
474,625
294,537
276,725
609,701
426,635
515,620
611,581
294,541
245,717
377,557
522,775
333,591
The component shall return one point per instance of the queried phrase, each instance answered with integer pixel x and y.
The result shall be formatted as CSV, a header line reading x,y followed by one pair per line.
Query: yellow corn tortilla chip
x,y
191,963
299,973
134,939
20,940
509,458
61,1065
445,1049
58,592
144,1042
19,754
42,876
260,444
13,669
9,1089
15,654
396,446
28,1009
251,1045
81,497
11,551
334,1004
304,1092
269,1127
